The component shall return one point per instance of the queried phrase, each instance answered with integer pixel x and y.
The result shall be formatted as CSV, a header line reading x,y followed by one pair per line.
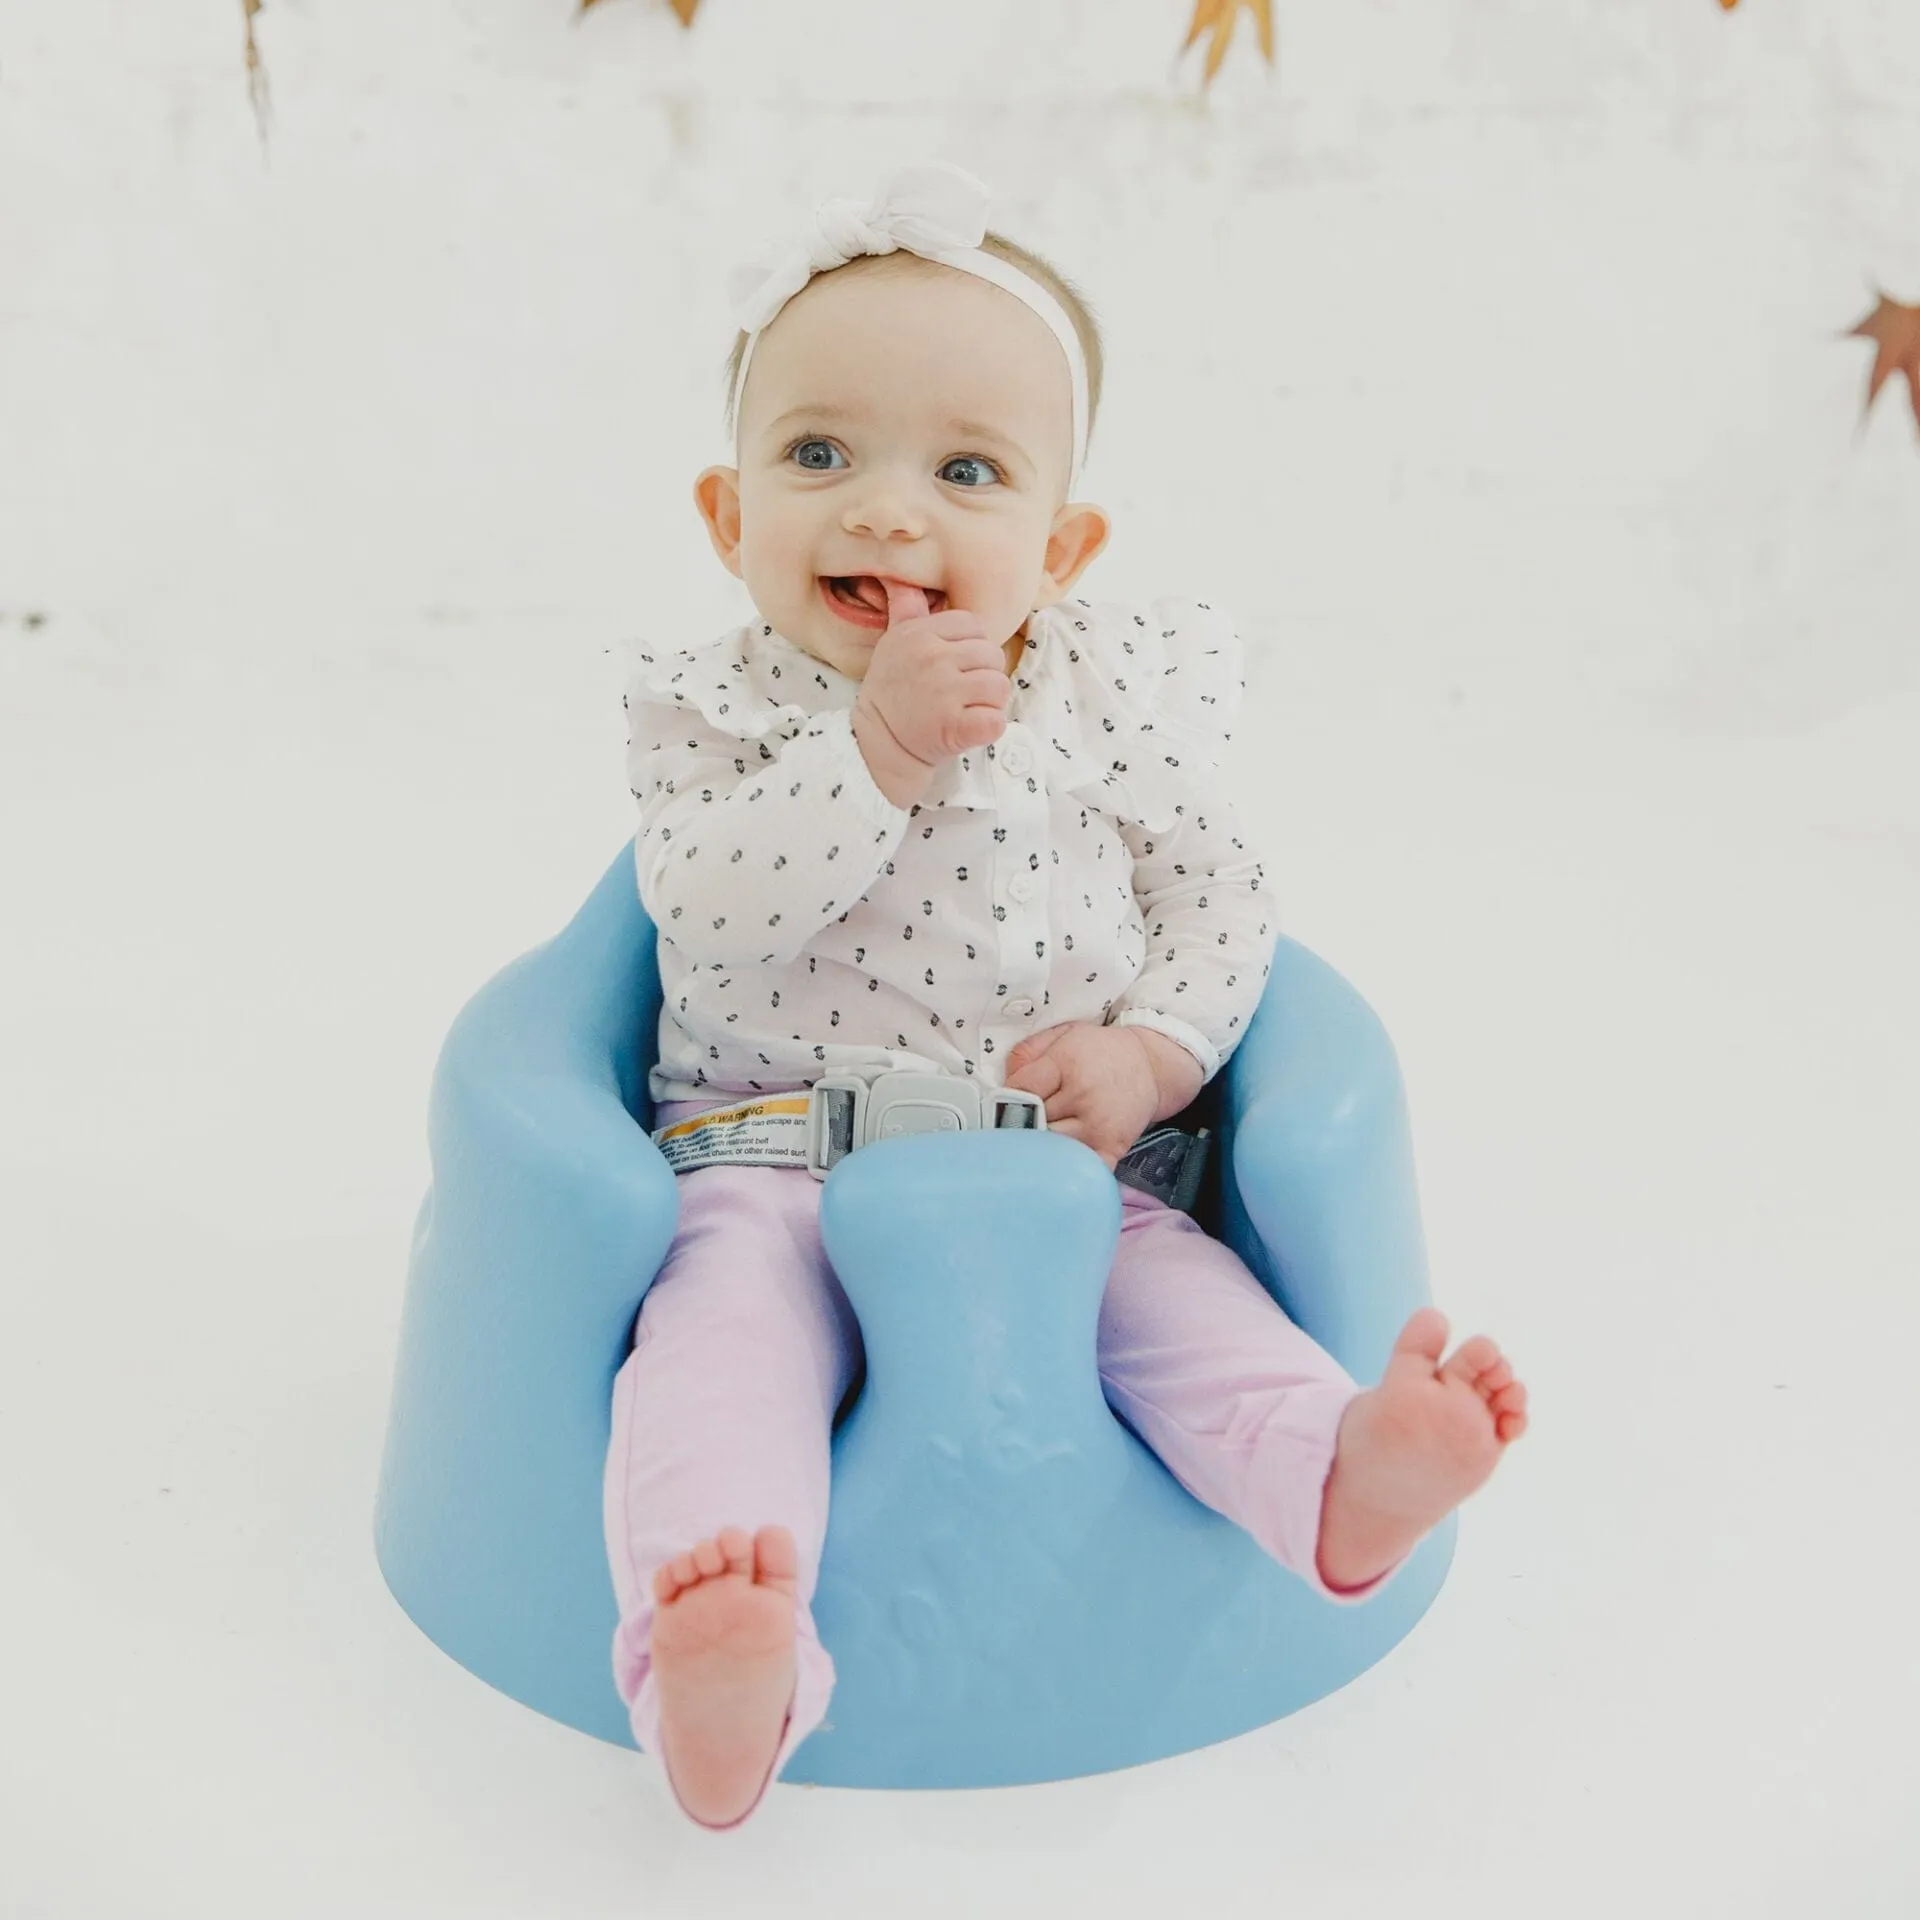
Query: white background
x,y
1487,359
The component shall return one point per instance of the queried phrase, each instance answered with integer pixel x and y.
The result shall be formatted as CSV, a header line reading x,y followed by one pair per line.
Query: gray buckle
x,y
849,1110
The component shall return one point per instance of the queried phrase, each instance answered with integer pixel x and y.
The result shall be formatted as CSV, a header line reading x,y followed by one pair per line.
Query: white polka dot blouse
x,y
1086,866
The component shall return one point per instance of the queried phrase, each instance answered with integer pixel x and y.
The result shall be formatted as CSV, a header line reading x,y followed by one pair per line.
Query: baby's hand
x,y
1099,1083
935,679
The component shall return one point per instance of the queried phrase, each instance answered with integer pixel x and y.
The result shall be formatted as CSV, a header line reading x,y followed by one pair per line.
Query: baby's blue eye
x,y
973,460
800,447
817,456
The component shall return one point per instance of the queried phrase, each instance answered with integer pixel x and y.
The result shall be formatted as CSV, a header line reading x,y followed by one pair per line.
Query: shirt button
x,y
1016,759
1021,886
1020,1008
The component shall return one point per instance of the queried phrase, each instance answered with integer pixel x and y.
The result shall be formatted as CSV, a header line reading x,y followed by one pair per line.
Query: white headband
x,y
938,211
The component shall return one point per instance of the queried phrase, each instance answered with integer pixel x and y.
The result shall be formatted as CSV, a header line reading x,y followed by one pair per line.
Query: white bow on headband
x,y
928,210
938,211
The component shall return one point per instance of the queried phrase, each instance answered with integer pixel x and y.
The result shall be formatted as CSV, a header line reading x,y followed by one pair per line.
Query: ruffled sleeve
x,y
748,683
1140,701
1196,700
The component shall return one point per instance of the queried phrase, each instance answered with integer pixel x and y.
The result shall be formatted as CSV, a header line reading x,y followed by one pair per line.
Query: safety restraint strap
x,y
774,1130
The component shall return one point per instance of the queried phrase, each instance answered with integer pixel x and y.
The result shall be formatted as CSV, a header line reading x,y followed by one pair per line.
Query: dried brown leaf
x,y
1219,18
1895,331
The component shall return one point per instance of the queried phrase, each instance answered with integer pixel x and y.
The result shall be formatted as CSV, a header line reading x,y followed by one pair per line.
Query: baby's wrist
x,y
1176,1073
898,775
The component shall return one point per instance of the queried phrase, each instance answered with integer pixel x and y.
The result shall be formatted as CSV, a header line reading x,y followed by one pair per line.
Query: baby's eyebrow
x,y
979,430
813,412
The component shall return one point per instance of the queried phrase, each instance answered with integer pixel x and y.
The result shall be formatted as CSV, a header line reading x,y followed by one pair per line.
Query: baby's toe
x,y
1424,1336
1494,1378
1472,1358
776,1558
736,1548
673,1575
708,1558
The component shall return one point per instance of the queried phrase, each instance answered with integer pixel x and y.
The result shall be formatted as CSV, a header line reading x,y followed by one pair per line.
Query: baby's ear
x,y
716,494
1080,531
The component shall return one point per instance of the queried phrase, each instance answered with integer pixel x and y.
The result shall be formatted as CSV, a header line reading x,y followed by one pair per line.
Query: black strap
x,y
1168,1164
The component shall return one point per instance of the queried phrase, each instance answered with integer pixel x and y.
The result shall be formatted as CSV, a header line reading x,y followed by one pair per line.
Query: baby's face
x,y
914,424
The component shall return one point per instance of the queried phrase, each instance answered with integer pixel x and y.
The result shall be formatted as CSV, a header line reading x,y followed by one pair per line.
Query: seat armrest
x,y
543,1179
1322,1200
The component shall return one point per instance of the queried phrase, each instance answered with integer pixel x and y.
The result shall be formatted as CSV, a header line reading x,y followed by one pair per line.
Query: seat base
x,y
1013,1588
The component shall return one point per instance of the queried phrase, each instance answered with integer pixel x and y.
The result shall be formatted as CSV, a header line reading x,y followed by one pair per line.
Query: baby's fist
x,y
1097,1083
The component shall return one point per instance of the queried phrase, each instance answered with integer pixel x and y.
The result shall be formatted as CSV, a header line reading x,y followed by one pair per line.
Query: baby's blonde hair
x,y
1056,283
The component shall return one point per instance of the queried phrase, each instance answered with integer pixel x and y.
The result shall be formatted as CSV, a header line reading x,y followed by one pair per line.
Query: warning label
x,y
771,1132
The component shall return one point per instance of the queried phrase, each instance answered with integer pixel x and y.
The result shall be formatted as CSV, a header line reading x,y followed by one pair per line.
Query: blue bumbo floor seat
x,y
1013,1587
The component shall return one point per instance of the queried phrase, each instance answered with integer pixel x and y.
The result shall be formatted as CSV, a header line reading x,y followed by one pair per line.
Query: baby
x,y
931,810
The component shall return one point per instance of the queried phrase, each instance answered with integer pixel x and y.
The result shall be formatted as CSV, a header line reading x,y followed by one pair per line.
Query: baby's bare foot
x,y
1412,1448
723,1651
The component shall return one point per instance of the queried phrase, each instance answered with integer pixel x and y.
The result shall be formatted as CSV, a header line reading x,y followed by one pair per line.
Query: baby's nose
x,y
885,512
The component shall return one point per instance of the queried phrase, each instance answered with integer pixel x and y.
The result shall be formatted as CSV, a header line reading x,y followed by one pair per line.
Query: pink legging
x,y
746,1346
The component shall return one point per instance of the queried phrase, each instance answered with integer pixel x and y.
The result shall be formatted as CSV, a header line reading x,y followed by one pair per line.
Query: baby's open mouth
x,y
865,590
